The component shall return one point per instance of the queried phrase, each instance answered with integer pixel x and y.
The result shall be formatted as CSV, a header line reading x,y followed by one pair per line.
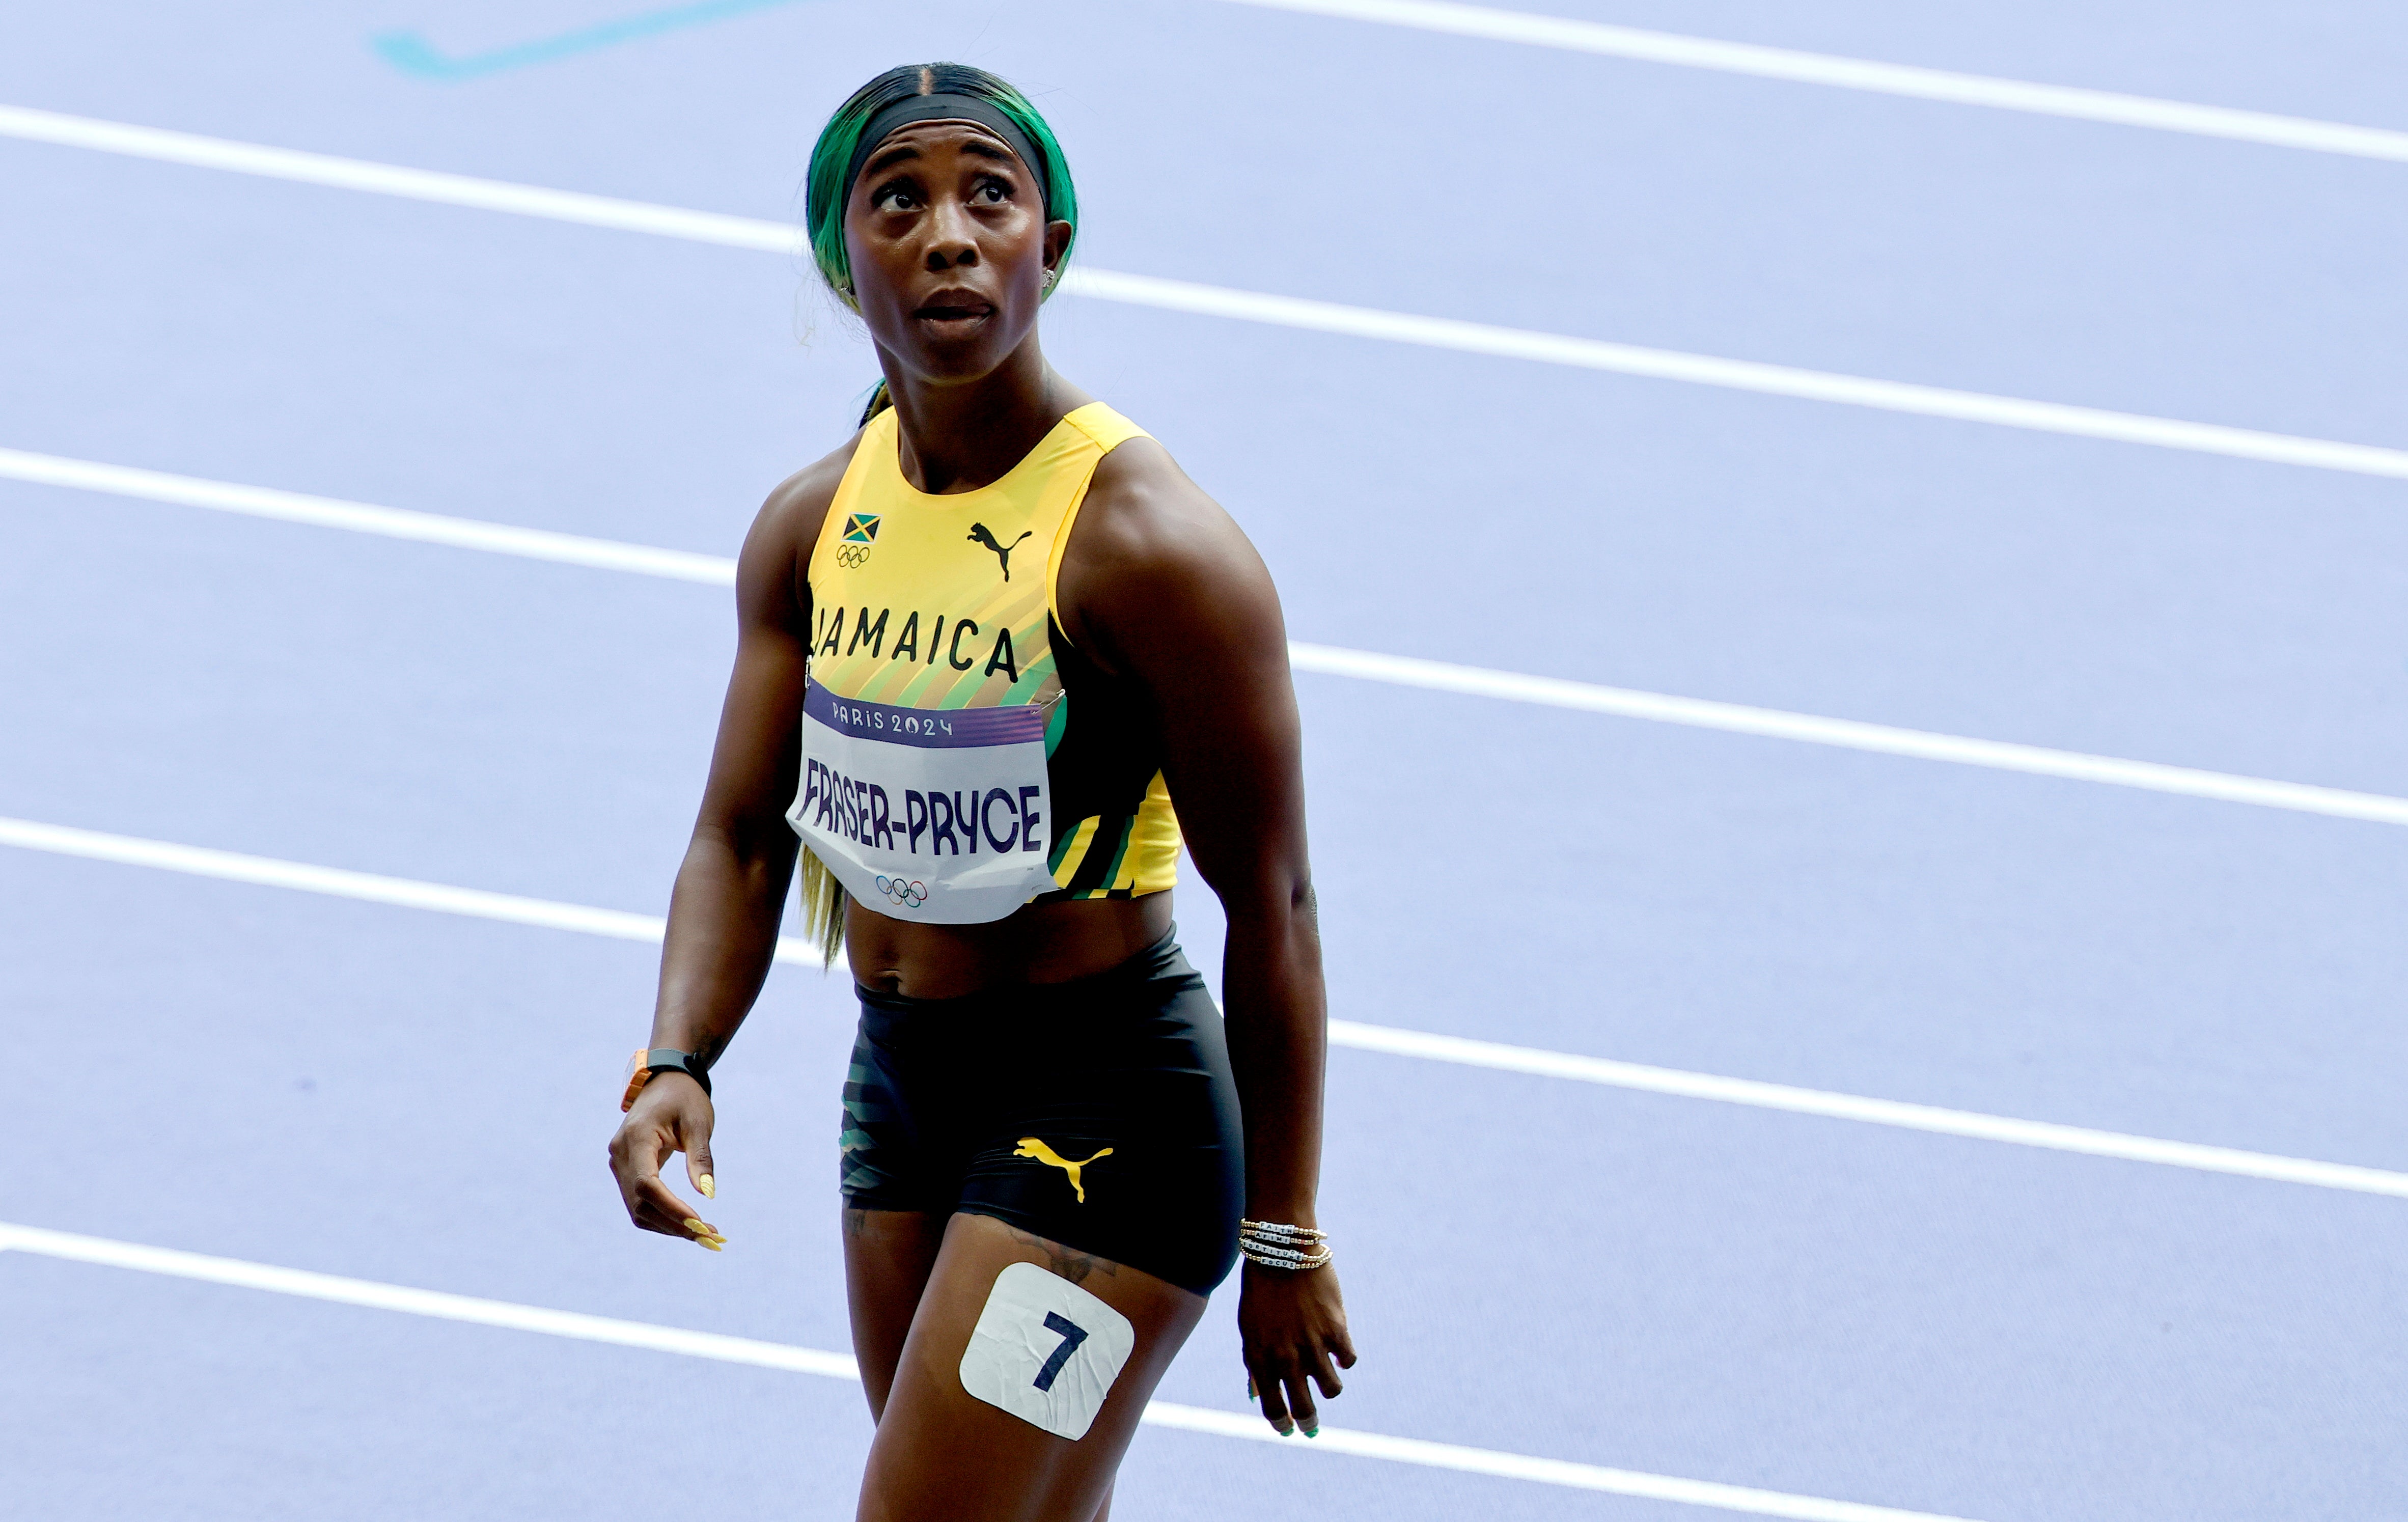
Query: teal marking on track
x,y
411,53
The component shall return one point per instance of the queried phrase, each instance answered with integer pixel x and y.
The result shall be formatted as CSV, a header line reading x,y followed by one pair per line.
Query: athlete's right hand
x,y
671,1113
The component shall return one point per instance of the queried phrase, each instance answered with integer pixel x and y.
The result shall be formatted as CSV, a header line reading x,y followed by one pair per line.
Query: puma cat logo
x,y
978,535
1030,1147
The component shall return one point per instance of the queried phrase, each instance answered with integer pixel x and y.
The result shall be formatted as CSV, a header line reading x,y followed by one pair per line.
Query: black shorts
x,y
1098,1114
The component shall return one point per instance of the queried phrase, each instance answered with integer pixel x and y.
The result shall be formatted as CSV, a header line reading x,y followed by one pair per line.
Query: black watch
x,y
641,1067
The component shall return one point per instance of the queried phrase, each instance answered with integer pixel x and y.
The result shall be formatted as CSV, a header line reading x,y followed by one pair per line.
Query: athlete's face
x,y
950,248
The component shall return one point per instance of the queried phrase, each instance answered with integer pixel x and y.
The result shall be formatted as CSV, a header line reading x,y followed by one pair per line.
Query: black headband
x,y
944,107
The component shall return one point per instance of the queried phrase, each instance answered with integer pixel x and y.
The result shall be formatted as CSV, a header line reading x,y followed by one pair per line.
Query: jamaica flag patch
x,y
860,527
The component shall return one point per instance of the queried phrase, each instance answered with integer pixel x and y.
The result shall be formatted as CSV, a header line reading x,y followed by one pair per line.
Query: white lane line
x,y
1242,306
203,152
1325,660
364,518
265,872
372,1295
1886,739
368,1293
1740,375
1846,72
335,882
1912,1117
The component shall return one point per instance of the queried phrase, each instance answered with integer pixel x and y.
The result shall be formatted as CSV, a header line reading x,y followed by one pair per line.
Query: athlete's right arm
x,y
731,888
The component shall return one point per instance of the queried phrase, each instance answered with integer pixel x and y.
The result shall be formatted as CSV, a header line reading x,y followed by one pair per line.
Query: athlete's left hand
x,y
1293,1329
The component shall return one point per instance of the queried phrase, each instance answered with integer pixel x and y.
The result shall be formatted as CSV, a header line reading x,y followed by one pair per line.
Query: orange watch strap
x,y
637,1076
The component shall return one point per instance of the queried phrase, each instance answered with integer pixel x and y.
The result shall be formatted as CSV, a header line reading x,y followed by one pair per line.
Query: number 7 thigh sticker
x,y
1045,1350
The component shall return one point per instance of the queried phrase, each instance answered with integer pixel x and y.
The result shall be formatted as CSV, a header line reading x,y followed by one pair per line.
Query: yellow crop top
x,y
936,671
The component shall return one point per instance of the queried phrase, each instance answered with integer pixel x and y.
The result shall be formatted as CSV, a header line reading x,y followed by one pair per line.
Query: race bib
x,y
1045,1351
939,815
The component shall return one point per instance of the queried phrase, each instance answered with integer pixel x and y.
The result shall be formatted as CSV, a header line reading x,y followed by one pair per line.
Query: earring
x,y
1049,279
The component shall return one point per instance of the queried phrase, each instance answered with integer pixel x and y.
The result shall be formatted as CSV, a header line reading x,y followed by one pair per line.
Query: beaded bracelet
x,y
1273,1258
1281,1230
1274,1245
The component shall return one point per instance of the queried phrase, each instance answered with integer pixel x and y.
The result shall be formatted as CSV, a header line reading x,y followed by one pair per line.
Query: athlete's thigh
x,y
943,1454
888,1255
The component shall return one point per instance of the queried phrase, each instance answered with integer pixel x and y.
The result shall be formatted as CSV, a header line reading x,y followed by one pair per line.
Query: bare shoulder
x,y
777,550
1149,542
798,505
1141,505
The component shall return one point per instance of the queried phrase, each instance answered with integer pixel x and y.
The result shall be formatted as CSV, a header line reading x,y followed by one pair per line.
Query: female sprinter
x,y
982,647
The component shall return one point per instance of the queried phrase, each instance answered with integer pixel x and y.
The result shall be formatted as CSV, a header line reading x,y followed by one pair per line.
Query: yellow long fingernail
x,y
709,1191
698,1228
714,1243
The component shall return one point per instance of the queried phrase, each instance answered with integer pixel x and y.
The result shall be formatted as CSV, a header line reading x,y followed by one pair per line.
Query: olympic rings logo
x,y
898,891
853,557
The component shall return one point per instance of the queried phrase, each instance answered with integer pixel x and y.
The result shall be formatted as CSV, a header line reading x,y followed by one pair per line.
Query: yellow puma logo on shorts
x,y
1031,1147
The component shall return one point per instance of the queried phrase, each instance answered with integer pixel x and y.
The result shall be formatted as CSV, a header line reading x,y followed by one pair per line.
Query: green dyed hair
x,y
825,194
